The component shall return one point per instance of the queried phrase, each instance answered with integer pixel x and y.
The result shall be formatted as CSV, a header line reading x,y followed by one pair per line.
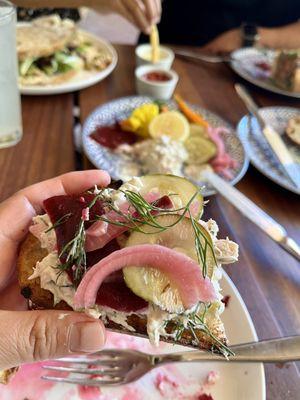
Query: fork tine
x,y
108,356
103,371
88,361
105,355
85,382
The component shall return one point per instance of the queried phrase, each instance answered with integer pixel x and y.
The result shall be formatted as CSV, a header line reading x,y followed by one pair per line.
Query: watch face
x,y
250,30
250,34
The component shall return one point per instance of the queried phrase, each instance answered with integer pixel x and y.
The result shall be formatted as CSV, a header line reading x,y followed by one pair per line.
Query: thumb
x,y
27,336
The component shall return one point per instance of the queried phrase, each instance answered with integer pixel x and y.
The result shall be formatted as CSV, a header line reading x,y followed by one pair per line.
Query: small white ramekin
x,y
144,50
159,90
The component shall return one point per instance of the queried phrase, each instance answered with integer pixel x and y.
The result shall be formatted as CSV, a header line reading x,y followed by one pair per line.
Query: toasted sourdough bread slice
x,y
7,374
31,252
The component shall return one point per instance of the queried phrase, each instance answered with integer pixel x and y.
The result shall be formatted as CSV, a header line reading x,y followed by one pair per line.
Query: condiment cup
x,y
162,90
143,56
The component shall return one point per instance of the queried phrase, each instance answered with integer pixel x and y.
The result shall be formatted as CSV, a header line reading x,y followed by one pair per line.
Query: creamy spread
x,y
106,313
53,279
41,228
162,156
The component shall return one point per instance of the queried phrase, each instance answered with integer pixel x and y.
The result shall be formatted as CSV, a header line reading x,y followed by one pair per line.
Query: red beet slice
x,y
114,292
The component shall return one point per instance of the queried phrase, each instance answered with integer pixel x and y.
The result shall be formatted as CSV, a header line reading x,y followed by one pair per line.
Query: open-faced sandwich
x,y
52,50
139,257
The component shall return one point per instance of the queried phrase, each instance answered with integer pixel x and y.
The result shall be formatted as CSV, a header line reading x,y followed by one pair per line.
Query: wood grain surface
x,y
46,149
267,277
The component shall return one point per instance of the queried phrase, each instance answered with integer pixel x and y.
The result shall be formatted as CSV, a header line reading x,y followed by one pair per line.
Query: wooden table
x,y
267,277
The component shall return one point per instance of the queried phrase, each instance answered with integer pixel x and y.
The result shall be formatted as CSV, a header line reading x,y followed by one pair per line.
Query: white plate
x,y
244,65
258,149
82,79
237,381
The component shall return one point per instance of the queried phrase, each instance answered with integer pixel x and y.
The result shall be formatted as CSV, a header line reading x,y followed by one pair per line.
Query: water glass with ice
x,y
10,107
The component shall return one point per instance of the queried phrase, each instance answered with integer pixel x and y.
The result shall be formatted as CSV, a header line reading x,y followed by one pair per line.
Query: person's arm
x,y
284,37
142,13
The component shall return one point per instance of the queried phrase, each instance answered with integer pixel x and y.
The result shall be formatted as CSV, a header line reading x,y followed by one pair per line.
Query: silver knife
x,y
202,56
290,166
255,214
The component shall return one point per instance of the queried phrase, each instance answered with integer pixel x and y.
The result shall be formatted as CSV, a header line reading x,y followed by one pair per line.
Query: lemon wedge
x,y
170,123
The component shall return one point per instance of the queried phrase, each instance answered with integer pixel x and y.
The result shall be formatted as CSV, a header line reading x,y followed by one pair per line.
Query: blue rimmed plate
x,y
116,110
258,149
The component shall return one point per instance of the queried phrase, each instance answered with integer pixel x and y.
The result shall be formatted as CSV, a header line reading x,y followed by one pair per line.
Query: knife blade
x,y
255,214
289,165
202,56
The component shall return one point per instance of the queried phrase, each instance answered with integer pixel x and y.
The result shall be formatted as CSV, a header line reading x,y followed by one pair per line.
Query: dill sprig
x,y
196,321
74,251
59,222
75,254
141,212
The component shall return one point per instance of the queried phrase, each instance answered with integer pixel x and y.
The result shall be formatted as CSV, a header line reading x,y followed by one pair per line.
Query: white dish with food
x,y
175,295
187,151
56,57
233,381
278,72
155,82
143,55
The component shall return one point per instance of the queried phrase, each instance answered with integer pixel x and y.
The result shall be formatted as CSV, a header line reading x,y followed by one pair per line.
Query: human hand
x,y
27,336
224,43
142,13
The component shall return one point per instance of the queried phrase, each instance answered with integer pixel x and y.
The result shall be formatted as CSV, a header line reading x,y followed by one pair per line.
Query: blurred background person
x,y
216,26
219,26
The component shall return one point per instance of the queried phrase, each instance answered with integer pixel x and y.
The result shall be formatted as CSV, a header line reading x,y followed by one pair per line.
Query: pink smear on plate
x,y
26,384
167,382
89,393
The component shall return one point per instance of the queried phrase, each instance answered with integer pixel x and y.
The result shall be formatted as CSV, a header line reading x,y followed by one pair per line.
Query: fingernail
x,y
86,337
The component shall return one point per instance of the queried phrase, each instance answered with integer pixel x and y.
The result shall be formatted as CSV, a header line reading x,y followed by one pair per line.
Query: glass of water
x,y
10,106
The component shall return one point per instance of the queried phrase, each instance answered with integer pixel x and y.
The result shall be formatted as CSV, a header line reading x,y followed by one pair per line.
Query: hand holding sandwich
x,y
27,336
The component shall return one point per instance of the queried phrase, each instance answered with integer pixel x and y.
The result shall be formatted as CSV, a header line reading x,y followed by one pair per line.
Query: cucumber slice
x,y
151,284
198,130
182,190
200,150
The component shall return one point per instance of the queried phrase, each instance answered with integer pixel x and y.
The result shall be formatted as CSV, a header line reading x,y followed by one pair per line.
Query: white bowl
x,y
143,56
159,90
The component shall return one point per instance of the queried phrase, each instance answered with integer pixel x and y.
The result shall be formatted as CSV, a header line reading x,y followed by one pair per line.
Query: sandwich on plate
x,y
139,257
51,51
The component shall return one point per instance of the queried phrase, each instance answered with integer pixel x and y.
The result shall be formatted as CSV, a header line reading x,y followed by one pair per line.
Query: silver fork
x,y
118,367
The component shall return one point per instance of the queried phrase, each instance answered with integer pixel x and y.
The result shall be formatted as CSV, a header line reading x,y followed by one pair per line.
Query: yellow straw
x,y
154,41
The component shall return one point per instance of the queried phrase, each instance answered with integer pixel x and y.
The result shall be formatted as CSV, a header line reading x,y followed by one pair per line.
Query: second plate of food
x,y
133,136
270,70
57,57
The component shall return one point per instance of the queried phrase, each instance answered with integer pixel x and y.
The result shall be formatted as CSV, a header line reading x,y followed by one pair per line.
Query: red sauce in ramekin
x,y
156,76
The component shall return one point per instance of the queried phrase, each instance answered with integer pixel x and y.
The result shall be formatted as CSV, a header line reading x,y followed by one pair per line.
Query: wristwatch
x,y
250,35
